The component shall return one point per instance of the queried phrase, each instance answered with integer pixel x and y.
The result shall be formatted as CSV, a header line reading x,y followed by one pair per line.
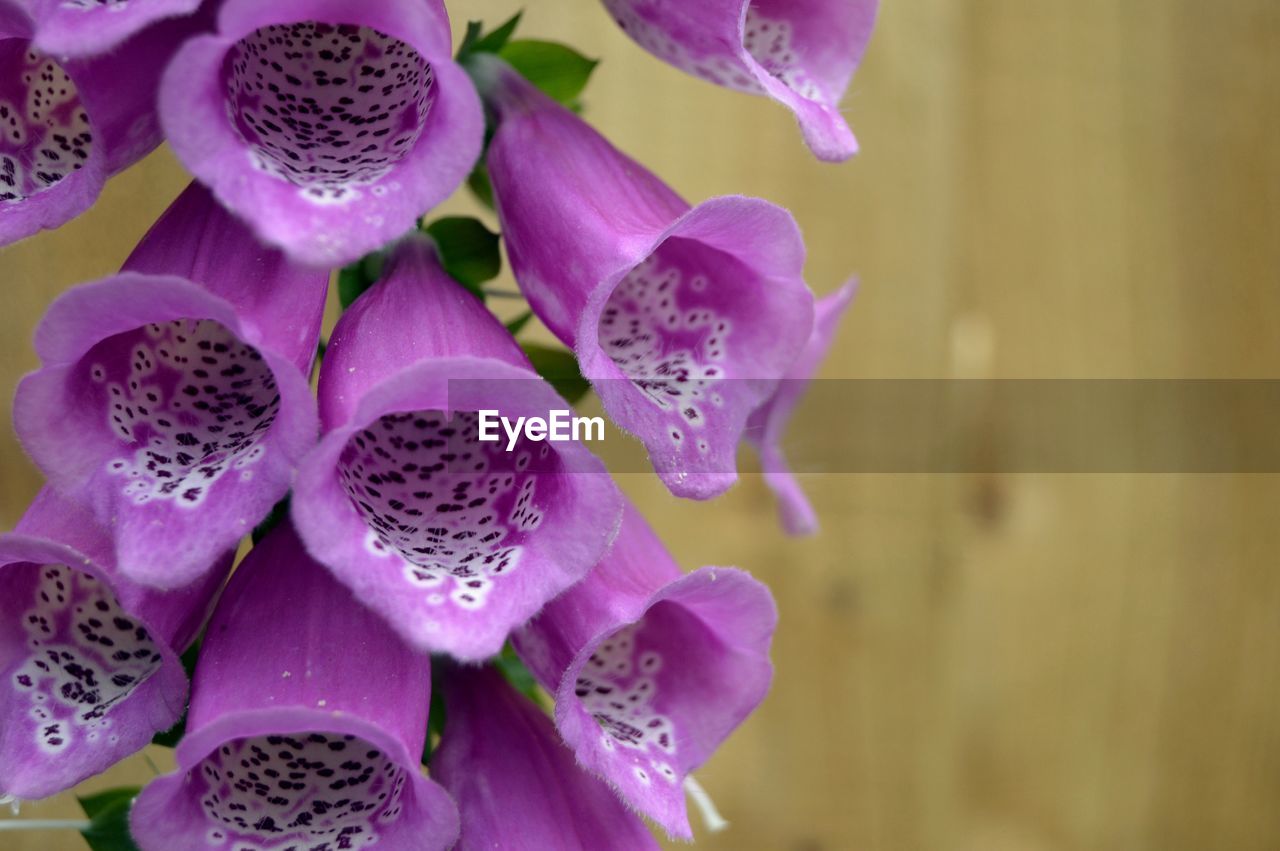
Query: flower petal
x,y
67,124
515,782
175,408
307,722
652,669
415,313
801,53
328,126
683,319
89,27
89,670
769,421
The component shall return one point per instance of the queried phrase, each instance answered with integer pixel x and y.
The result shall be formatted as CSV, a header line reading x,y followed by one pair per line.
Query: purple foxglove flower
x,y
683,319
652,668
769,421
66,125
306,726
801,53
89,670
173,401
454,541
329,125
515,783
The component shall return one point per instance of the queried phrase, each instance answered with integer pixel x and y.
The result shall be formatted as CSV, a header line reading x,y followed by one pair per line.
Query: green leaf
x,y
279,511
560,368
472,35
351,283
435,714
515,326
510,666
170,738
358,277
468,250
108,814
494,41
478,183
557,69
94,805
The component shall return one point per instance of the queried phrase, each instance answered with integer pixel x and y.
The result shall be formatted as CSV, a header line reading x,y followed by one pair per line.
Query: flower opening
x,y
327,108
45,134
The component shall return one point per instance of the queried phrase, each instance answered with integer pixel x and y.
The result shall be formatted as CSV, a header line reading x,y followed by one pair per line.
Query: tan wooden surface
x,y
978,663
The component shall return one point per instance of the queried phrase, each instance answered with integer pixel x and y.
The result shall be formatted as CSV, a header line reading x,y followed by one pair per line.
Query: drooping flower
x,y
66,125
89,27
306,725
801,53
173,400
89,670
453,540
769,421
329,126
515,783
683,319
651,668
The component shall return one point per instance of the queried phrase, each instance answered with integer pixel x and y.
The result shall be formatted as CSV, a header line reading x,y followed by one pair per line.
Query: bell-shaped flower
x,y
89,667
67,124
454,540
515,783
651,668
801,53
683,319
306,726
769,421
329,126
173,400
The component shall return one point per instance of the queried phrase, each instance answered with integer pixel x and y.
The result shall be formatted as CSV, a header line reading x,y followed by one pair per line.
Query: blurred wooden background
x,y
1035,662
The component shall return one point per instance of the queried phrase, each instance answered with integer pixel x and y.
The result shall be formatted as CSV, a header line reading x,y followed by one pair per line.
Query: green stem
x,y
45,824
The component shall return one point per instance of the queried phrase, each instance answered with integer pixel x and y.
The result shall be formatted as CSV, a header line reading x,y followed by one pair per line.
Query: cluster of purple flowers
x,y
174,409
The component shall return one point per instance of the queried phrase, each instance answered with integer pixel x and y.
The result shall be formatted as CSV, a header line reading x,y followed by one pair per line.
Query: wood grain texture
x,y
978,663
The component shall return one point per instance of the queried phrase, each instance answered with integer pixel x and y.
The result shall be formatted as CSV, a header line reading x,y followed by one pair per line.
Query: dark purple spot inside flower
x,y
189,434
661,328
77,665
309,808
327,108
44,130
448,504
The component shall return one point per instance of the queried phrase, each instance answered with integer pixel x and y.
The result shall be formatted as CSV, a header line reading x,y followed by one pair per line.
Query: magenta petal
x,y
455,542
88,27
415,313
652,669
56,152
89,670
399,124
175,406
801,53
515,783
769,421
683,319
306,725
